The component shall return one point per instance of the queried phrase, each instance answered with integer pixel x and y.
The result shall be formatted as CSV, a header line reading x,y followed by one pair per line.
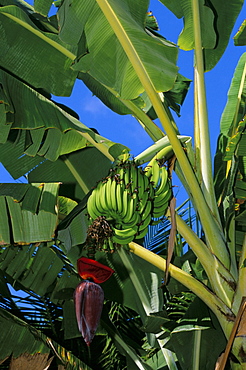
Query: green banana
x,y
131,209
134,178
98,200
111,245
147,210
155,173
112,194
160,211
143,183
163,197
133,221
145,223
127,175
141,234
163,181
124,236
125,199
91,207
108,193
120,187
103,196
142,202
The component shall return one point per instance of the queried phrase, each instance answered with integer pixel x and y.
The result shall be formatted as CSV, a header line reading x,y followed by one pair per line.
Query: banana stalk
x,y
202,115
220,278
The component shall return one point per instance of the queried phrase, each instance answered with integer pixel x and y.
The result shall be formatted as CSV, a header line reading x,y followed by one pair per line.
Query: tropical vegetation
x,y
177,297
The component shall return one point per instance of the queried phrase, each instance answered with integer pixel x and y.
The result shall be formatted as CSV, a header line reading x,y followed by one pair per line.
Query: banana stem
x,y
212,232
219,277
100,146
202,115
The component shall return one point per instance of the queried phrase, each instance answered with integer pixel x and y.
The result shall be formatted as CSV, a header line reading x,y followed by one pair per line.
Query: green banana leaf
x,y
28,213
217,19
49,130
114,70
240,37
199,334
42,6
230,159
34,267
18,31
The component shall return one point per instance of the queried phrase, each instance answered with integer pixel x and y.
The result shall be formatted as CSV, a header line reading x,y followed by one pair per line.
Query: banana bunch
x,y
126,201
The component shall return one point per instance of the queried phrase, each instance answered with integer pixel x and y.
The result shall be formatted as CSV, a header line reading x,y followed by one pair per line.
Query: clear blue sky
x,y
125,129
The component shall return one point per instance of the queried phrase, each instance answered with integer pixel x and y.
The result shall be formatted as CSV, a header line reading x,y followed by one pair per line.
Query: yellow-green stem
x,y
200,99
100,146
220,279
197,349
212,232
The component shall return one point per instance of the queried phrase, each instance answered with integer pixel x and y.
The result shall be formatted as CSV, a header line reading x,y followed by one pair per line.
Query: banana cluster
x,y
127,200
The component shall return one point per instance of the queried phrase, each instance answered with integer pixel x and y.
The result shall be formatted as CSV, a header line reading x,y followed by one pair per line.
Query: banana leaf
x,y
217,19
240,37
198,333
49,130
18,30
42,6
230,160
114,70
28,213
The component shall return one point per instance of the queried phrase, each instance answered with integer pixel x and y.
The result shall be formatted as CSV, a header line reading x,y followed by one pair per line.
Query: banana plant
x,y
113,46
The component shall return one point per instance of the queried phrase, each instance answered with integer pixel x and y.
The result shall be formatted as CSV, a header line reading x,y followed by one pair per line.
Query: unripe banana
x,y
103,195
160,211
132,222
141,234
155,173
131,209
163,180
147,210
124,236
119,195
144,223
112,194
163,197
142,201
134,178
91,206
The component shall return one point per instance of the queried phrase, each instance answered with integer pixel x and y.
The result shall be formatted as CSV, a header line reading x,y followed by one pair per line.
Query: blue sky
x,y
125,129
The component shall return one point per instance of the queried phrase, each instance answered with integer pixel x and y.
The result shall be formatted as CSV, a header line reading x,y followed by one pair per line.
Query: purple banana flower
x,y
88,299
89,296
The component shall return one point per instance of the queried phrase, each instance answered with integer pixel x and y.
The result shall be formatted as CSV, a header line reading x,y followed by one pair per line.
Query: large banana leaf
x,y
230,160
49,131
28,213
197,333
217,20
114,70
17,33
